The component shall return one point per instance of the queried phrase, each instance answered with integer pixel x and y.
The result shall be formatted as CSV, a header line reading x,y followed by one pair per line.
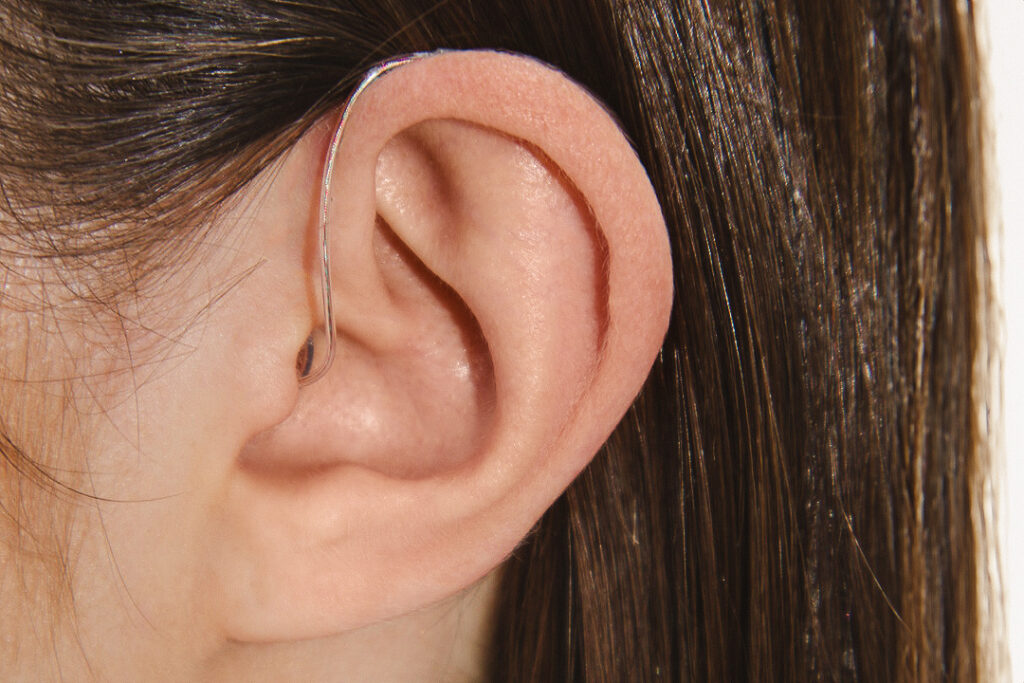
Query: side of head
x,y
502,284
793,489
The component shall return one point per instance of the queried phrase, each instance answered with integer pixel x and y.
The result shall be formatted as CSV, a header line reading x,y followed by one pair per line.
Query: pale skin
x,y
502,285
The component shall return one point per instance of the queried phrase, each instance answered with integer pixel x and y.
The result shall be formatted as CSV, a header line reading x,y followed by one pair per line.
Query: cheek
x,y
163,400
137,413
142,405
157,458
161,445
127,417
168,417
161,425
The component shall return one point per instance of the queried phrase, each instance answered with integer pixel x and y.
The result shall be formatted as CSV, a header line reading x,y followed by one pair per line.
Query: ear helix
x,y
317,353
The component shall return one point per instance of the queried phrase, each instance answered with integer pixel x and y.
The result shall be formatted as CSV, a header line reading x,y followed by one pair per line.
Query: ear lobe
x,y
503,285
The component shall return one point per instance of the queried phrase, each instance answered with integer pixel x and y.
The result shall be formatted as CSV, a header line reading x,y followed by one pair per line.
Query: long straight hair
x,y
796,493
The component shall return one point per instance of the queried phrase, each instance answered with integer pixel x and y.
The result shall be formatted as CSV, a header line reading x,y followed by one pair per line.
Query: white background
x,y
1006,101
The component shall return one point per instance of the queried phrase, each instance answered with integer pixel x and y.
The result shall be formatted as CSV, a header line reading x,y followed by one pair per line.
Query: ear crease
x,y
439,369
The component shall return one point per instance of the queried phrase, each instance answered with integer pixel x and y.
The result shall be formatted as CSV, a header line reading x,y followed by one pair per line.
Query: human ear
x,y
502,285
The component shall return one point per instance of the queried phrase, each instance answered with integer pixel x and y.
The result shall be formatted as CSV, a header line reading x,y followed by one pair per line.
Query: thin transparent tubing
x,y
325,247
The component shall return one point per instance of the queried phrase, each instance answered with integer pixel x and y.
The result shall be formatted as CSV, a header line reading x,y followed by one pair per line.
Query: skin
x,y
160,442
500,296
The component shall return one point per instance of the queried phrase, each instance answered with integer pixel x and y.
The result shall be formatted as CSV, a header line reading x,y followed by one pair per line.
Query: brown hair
x,y
796,494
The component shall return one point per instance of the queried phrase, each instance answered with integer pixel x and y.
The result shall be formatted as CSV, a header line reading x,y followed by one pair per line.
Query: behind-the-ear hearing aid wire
x,y
317,352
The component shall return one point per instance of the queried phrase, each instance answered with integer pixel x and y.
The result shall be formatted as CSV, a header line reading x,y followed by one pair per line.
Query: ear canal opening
x,y
311,360
304,359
